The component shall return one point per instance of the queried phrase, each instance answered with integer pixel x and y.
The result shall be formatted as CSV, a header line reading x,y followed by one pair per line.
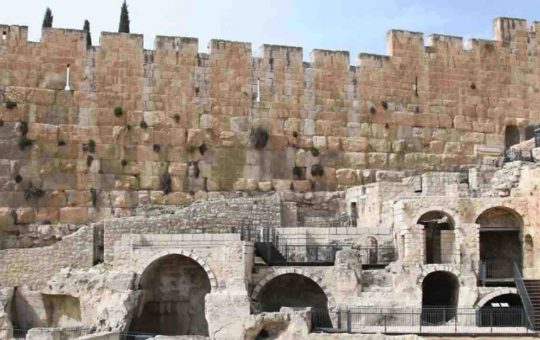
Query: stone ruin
x,y
169,192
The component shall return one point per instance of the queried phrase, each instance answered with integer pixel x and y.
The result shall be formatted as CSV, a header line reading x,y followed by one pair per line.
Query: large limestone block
x,y
355,144
6,218
226,312
77,215
195,137
44,334
346,176
26,215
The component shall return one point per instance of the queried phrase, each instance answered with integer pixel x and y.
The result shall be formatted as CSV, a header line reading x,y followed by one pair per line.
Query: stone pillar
x,y
414,245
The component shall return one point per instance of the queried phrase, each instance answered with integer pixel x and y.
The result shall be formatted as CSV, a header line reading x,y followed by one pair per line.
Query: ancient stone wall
x,y
34,267
213,216
174,119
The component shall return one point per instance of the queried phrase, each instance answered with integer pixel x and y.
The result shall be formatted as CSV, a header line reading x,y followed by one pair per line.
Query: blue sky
x,y
356,26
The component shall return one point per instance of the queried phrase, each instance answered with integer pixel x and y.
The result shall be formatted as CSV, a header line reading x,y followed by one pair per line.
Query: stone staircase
x,y
533,289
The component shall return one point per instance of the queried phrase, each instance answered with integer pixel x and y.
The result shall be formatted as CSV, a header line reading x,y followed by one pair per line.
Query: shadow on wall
x,y
33,309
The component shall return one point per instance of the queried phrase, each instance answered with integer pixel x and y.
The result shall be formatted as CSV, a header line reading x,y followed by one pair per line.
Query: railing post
x,y
456,320
268,253
491,320
339,319
349,321
385,322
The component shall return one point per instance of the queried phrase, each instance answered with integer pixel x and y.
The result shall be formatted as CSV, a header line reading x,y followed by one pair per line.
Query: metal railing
x,y
426,320
525,299
496,268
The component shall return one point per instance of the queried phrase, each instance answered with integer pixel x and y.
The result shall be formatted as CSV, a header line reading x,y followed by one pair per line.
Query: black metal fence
x,y
525,298
135,336
427,320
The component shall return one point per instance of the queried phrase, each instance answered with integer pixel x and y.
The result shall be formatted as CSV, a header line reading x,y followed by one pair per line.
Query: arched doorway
x,y
173,302
502,311
440,293
373,250
511,136
500,244
439,237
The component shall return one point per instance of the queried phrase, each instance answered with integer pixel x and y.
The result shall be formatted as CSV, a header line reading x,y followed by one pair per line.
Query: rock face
x,y
107,298
285,325
6,328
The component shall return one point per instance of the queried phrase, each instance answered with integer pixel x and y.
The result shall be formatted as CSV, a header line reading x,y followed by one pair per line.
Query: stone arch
x,y
449,212
500,241
432,268
440,295
173,287
283,271
142,268
494,294
514,211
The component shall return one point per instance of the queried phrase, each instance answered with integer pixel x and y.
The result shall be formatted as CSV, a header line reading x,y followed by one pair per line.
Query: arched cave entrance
x,y
291,290
173,303
439,237
440,292
511,136
500,244
502,311
297,291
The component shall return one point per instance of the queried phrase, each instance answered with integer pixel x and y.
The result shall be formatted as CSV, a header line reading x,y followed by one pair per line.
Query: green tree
x,y
86,28
124,19
48,19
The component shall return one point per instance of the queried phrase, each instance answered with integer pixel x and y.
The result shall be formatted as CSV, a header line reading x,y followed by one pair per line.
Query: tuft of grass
x,y
165,183
91,146
317,170
118,111
314,151
259,137
203,148
10,105
33,192
24,142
